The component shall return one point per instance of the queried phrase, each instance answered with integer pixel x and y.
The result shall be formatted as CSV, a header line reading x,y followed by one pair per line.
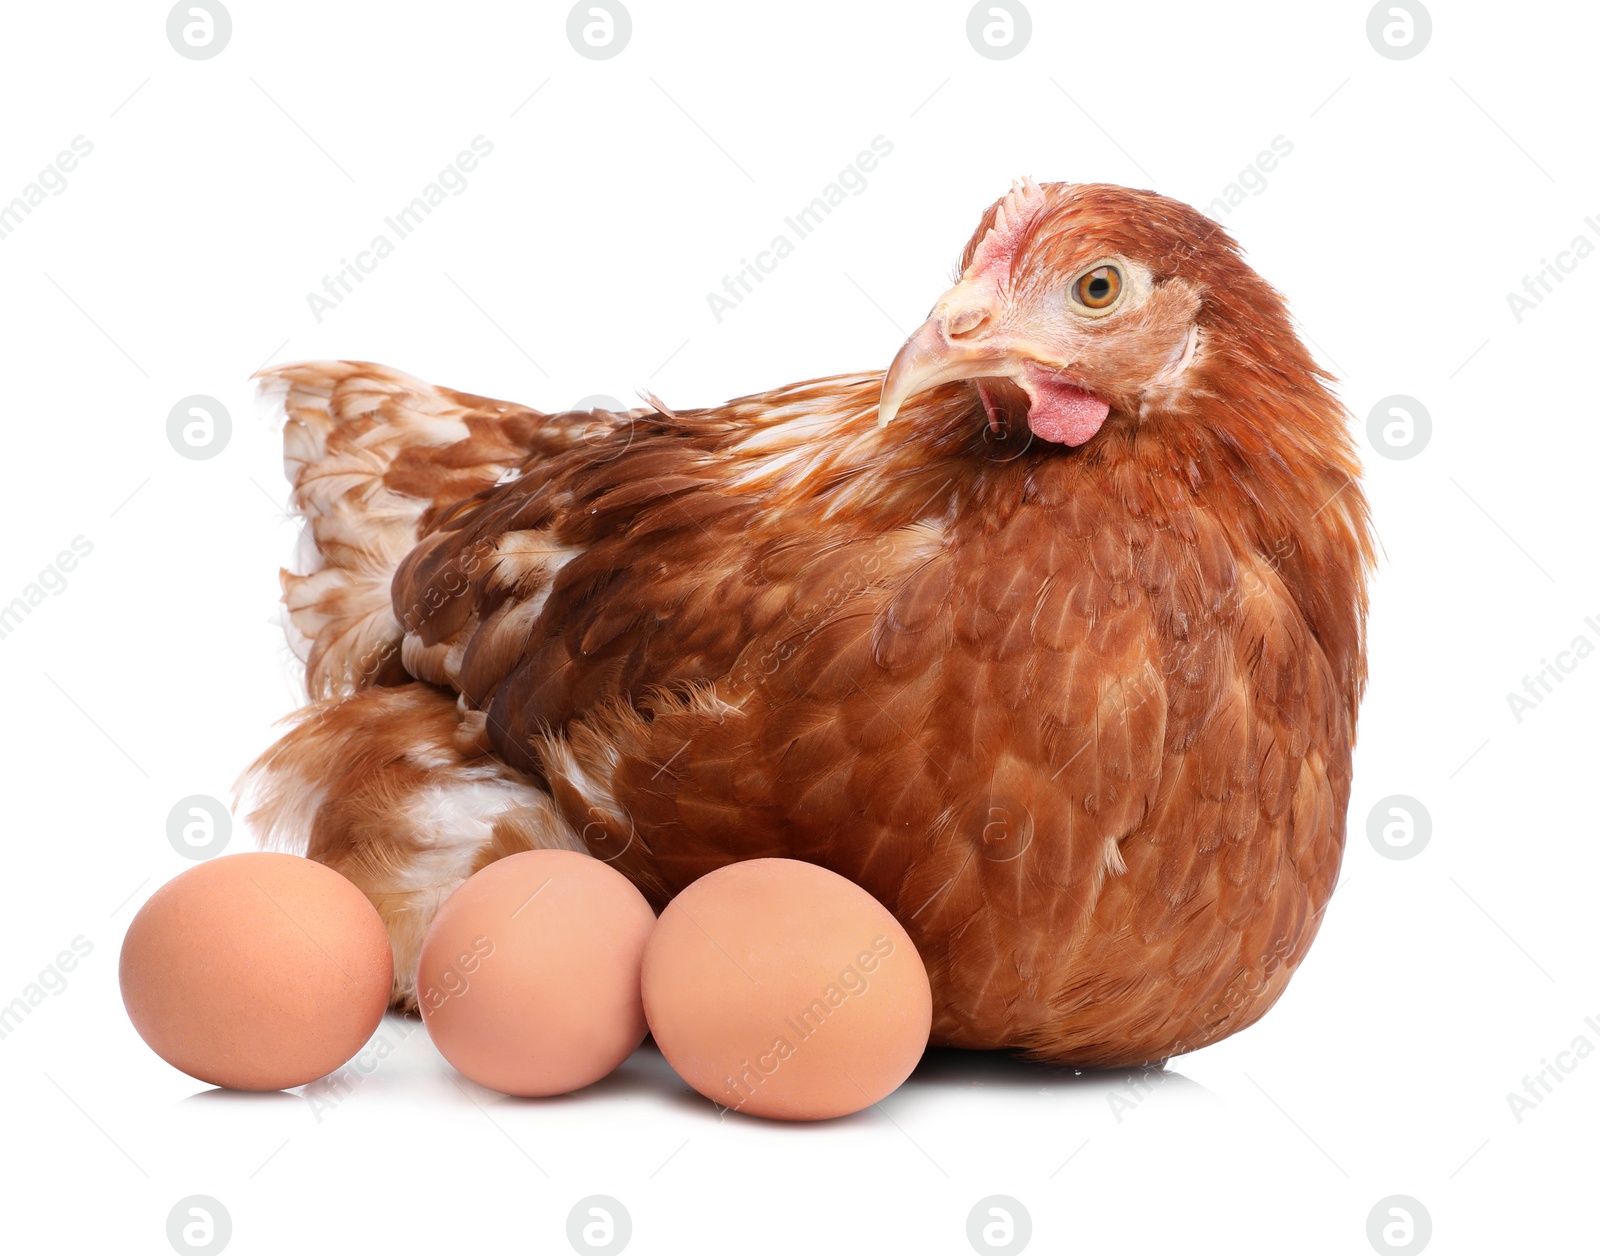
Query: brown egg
x,y
781,989
529,975
257,971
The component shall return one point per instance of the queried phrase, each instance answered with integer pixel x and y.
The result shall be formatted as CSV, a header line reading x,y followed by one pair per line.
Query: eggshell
x,y
781,989
529,974
256,971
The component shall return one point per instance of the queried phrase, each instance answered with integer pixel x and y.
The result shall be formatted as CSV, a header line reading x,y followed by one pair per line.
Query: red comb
x,y
1012,219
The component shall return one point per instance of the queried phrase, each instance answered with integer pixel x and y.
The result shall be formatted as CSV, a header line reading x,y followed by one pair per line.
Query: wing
x,y
646,561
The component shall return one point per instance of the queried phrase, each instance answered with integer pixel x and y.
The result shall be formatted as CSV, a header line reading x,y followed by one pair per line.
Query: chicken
x,y
1052,637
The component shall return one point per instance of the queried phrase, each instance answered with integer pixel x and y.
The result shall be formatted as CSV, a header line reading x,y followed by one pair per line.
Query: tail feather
x,y
373,456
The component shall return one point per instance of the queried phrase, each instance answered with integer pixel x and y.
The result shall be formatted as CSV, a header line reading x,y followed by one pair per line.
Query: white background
x,y
177,260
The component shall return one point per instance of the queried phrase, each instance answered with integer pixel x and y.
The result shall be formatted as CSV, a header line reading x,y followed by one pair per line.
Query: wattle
x,y
1064,413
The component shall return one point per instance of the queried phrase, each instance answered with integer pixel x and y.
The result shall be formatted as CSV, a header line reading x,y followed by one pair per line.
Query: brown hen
x,y
1062,664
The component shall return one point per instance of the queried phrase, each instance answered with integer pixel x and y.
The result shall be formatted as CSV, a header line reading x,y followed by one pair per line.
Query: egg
x,y
781,989
529,974
256,971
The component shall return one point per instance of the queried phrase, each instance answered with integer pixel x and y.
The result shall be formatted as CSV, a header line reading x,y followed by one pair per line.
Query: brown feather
x,y
1082,718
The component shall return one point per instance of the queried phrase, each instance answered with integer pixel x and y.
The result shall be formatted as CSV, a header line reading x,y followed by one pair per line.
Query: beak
x,y
939,351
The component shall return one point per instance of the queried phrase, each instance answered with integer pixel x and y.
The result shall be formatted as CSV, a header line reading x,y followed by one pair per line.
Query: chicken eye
x,y
1099,289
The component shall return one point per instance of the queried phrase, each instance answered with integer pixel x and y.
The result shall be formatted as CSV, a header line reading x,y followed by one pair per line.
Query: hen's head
x,y
1077,300
1129,324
